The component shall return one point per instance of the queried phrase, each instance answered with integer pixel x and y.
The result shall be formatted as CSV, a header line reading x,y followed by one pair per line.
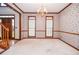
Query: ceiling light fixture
x,y
42,11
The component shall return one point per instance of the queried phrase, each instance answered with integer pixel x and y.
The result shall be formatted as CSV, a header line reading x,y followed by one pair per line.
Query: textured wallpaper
x,y
69,22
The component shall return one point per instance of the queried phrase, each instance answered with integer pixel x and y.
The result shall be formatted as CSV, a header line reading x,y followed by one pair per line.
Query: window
x,y
32,22
2,4
49,26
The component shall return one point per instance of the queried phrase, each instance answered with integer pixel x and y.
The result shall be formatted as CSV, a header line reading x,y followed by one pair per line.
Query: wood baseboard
x,y
3,51
16,39
69,44
40,38
12,39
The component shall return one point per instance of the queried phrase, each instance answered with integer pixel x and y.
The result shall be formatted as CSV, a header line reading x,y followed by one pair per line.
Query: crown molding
x,y
19,18
36,12
12,8
17,7
64,8
47,13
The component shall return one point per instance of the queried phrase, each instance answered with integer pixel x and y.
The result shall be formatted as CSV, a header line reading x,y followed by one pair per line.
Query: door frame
x,y
11,19
52,27
28,27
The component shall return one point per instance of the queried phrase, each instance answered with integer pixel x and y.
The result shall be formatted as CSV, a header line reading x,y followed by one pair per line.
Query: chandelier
x,y
42,11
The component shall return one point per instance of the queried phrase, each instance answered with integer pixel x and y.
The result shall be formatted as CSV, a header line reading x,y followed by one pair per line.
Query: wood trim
x,y
28,30
39,30
20,26
28,27
50,12
17,7
47,13
64,8
11,19
36,12
52,25
3,51
19,18
14,26
24,37
46,38
16,39
70,33
40,38
32,12
69,44
56,30
12,8
24,30
4,27
67,32
53,31
36,30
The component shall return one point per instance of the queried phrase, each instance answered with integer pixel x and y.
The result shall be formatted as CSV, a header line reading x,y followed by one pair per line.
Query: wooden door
x,y
7,22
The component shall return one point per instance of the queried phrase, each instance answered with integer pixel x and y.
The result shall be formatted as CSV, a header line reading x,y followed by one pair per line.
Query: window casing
x,y
49,26
32,26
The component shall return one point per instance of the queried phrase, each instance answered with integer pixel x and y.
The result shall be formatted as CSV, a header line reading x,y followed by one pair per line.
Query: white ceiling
x,y
33,7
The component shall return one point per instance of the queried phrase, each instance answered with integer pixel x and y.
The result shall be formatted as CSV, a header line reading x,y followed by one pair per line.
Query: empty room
x,y
39,28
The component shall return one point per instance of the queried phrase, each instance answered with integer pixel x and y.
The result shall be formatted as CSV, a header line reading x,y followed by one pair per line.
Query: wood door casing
x,y
51,28
34,18
7,22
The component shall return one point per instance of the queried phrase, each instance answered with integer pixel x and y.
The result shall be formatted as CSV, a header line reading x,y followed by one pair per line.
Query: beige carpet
x,y
41,47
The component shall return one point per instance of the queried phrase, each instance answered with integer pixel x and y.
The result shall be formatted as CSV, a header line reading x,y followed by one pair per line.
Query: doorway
x,y
49,27
9,23
31,26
